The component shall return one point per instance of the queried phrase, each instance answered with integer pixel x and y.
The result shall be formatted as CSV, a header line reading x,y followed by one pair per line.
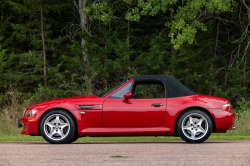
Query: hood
x,y
69,100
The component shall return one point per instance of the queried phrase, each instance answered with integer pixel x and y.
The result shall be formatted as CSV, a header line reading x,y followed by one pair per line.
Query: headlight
x,y
24,112
30,113
227,107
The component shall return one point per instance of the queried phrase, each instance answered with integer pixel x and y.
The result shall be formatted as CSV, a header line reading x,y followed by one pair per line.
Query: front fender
x,y
31,124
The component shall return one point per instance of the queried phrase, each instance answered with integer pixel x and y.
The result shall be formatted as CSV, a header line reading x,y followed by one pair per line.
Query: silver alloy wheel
x,y
194,126
56,127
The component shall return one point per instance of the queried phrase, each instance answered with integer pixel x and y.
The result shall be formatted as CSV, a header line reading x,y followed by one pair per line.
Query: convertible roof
x,y
173,87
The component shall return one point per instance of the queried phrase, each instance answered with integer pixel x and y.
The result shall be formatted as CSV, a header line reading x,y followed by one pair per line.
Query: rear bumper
x,y
233,128
224,120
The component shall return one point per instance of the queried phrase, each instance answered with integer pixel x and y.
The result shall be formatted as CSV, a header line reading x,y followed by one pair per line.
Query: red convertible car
x,y
150,105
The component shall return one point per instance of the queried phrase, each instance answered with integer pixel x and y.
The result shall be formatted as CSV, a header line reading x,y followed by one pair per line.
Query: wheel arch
x,y
190,108
63,109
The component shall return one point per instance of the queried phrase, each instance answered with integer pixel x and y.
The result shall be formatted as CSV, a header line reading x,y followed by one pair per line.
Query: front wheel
x,y
194,126
74,138
57,127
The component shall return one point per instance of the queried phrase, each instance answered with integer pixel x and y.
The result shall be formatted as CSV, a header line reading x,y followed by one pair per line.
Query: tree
x,y
184,18
34,28
80,6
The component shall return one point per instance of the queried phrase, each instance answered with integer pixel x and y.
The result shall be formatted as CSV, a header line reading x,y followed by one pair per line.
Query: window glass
x,y
149,91
104,94
119,94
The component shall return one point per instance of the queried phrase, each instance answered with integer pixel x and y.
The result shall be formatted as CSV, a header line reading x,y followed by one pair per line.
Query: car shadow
x,y
155,142
124,142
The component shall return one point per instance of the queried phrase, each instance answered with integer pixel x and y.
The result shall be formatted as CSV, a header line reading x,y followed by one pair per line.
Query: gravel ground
x,y
126,153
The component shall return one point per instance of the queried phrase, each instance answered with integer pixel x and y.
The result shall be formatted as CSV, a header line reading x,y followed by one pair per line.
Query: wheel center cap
x,y
56,127
194,126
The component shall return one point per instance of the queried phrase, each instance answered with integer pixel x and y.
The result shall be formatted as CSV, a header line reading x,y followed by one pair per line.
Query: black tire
x,y
74,138
192,129
57,127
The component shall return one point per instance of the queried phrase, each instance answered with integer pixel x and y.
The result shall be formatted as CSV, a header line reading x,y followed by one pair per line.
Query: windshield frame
x,y
114,88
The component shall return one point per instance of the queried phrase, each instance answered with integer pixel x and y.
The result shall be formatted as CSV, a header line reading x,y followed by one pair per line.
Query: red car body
x,y
137,117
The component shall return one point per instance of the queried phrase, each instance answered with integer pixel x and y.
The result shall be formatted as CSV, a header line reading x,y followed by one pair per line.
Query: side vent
x,y
86,106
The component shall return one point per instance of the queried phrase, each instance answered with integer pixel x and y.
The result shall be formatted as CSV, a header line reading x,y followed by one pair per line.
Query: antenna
x,y
211,86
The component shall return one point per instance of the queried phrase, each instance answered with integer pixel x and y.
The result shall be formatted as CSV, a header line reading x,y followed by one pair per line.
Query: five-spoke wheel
x,y
57,126
194,126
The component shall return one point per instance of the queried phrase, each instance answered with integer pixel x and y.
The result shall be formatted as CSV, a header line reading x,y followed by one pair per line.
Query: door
x,y
146,108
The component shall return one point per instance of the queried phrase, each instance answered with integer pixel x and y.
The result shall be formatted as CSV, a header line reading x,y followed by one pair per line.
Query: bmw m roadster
x,y
149,105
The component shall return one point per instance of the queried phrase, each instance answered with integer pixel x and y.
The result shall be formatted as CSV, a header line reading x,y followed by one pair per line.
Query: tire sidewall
x,y
70,134
74,138
205,137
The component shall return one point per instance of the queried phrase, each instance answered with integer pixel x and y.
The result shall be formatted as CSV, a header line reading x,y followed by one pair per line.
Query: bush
x,y
13,104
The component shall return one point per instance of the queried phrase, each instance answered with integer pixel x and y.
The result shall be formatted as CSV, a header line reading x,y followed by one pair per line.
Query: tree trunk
x,y
44,48
171,19
245,64
82,4
128,27
105,56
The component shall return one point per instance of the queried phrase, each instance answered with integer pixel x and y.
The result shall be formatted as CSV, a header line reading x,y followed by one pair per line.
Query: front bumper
x,y
19,124
29,124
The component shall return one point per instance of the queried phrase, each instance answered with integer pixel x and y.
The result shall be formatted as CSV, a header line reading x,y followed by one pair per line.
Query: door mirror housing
x,y
127,96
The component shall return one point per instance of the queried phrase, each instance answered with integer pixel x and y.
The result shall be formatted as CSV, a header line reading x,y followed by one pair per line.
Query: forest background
x,y
51,49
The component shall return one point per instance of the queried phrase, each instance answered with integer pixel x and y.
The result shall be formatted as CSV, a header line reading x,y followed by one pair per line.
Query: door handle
x,y
156,104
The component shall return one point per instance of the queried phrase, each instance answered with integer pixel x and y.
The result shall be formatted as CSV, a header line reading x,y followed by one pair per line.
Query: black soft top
x,y
173,87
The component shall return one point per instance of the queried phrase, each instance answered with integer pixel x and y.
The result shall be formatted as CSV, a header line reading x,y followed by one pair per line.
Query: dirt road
x,y
126,153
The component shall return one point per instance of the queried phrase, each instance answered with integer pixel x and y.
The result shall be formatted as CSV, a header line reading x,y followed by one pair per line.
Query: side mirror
x,y
127,96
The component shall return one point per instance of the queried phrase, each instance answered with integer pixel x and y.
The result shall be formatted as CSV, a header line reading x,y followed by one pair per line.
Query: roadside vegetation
x,y
14,109
63,48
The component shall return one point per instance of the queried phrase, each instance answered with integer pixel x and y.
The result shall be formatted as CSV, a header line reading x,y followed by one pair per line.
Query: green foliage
x,y
243,108
2,56
186,15
23,61
204,44
100,11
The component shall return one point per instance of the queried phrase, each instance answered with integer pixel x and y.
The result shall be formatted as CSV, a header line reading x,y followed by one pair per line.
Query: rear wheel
x,y
57,127
194,126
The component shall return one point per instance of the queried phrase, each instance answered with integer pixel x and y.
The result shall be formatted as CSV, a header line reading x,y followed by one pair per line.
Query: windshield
x,y
105,93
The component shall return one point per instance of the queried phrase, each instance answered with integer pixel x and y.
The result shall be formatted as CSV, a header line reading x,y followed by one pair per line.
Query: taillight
x,y
227,107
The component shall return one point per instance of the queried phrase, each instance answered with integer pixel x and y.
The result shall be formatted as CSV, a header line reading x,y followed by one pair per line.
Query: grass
x,y
18,138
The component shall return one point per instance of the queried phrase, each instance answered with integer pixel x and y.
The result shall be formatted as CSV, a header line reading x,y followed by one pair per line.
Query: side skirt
x,y
126,131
